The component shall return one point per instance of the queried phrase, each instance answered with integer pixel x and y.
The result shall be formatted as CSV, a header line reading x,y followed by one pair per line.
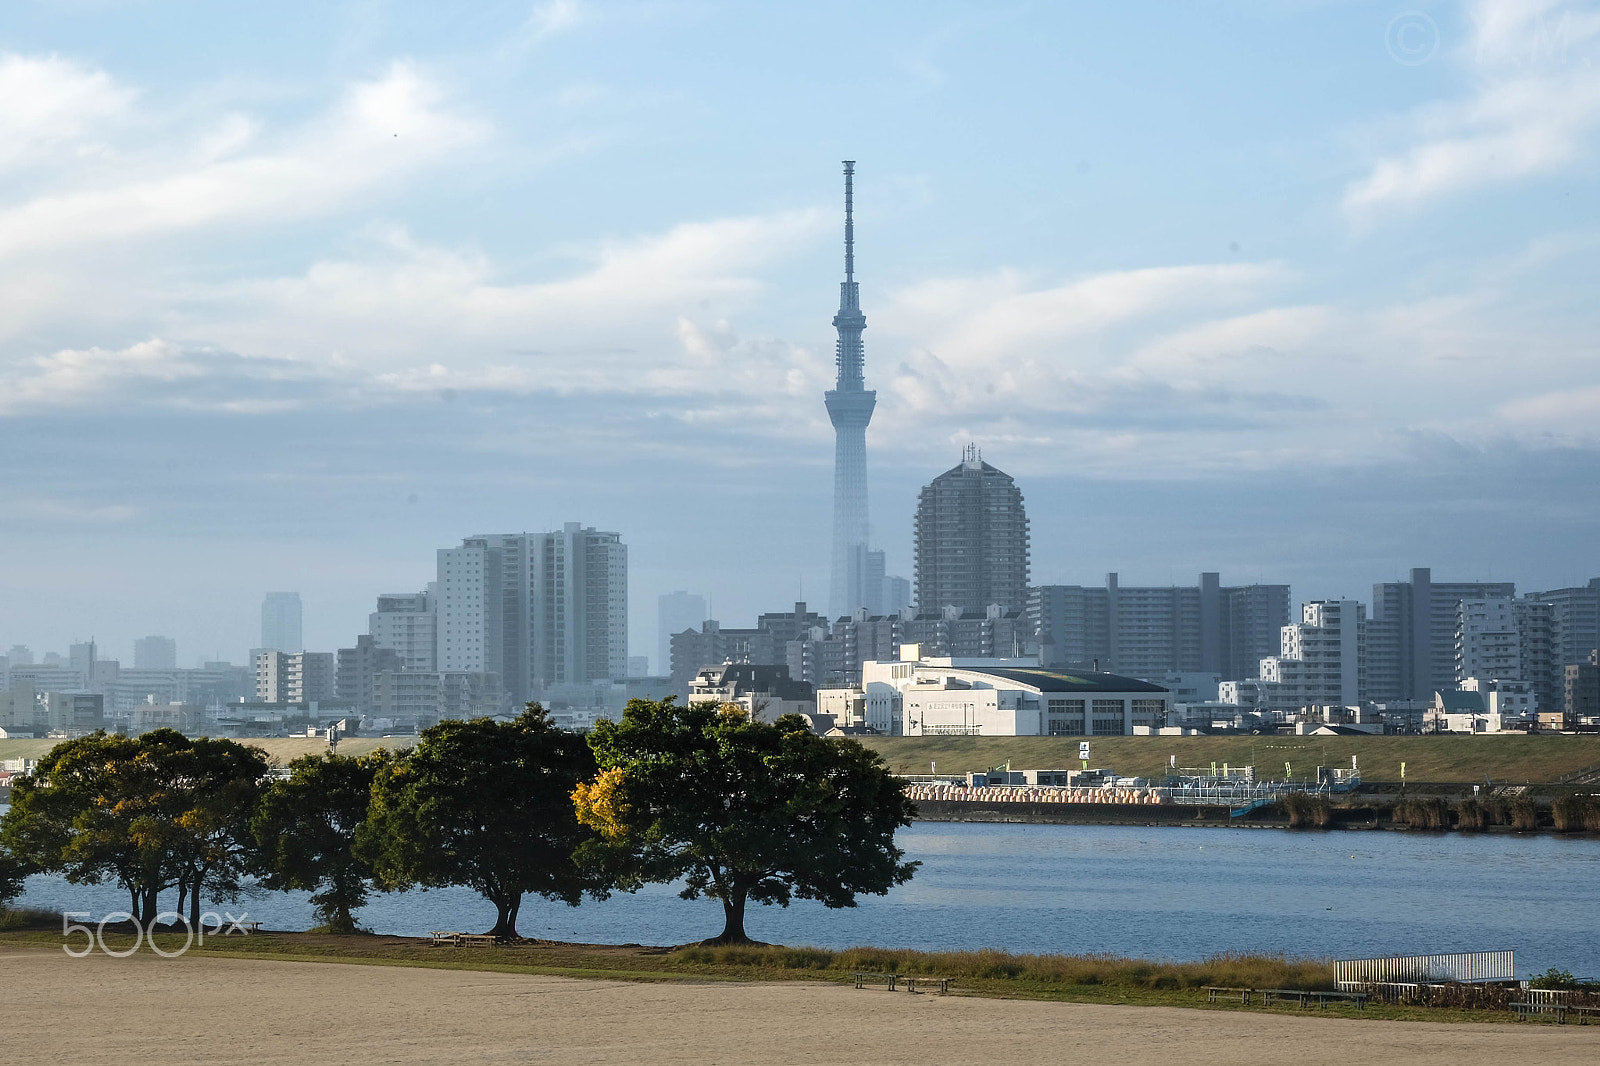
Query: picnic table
x,y
1216,992
457,939
865,978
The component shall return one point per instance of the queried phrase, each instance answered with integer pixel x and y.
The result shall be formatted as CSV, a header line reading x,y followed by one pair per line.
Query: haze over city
x,y
294,296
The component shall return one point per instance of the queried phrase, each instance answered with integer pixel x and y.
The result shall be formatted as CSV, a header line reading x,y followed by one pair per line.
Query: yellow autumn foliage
x,y
600,805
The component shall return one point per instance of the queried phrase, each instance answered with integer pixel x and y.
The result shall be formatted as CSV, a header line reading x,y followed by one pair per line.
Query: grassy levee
x,y
280,750
1514,759
1063,978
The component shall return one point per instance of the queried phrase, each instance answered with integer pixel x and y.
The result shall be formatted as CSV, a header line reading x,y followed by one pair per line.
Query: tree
x,y
13,873
213,788
149,813
305,832
483,804
741,810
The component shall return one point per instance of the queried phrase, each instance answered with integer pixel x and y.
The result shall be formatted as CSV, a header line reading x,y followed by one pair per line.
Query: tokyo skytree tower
x,y
850,406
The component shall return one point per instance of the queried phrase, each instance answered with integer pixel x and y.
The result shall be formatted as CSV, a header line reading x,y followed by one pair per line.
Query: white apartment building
x,y
1003,697
1487,642
407,624
545,612
1321,659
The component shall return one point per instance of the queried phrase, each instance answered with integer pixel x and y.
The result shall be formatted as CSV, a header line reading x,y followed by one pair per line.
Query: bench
x,y
1216,992
941,984
440,936
1534,1010
1558,1011
863,979
242,928
1306,996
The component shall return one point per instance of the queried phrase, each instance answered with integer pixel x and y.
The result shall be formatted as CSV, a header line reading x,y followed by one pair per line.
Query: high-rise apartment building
x,y
1574,621
355,668
155,653
407,624
1487,645
280,622
1536,660
971,539
1320,660
1149,632
675,612
538,610
1411,635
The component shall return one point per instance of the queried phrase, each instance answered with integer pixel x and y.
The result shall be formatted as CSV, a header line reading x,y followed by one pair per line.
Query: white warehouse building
x,y
919,696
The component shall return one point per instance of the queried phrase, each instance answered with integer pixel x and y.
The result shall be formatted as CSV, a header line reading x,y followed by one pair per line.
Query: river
x,y
1178,893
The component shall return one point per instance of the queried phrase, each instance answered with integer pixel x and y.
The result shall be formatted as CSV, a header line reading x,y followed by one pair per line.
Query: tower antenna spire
x,y
849,220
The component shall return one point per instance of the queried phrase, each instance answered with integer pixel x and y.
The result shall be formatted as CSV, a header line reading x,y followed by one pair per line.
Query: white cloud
x,y
1534,104
49,105
380,129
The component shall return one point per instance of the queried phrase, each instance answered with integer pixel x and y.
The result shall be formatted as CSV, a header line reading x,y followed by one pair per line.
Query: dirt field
x,y
208,1010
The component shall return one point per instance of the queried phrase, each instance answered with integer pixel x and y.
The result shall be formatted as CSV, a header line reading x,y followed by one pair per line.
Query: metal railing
x,y
1465,967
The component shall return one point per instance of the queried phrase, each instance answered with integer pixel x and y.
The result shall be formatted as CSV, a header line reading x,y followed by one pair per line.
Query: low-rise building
x,y
948,696
766,692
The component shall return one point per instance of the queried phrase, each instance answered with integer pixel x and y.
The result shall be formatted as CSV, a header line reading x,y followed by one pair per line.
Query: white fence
x,y
1465,967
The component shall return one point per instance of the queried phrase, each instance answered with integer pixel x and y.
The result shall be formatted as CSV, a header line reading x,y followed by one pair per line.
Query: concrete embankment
x,y
1088,813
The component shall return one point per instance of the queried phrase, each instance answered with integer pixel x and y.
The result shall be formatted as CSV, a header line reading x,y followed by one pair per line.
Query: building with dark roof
x,y
971,539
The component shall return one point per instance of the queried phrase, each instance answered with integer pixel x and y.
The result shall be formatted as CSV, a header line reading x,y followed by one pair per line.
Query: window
x,y
1108,707
1065,727
1108,727
1066,706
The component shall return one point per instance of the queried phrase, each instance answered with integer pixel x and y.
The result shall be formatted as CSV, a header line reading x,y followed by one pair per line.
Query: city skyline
x,y
297,298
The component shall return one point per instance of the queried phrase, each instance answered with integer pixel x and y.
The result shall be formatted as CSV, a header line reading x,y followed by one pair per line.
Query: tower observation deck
x,y
850,406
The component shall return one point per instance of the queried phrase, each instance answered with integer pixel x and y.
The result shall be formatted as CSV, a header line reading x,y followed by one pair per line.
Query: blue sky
x,y
293,294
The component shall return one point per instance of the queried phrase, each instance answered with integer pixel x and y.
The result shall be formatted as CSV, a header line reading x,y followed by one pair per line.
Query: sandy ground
x,y
195,1010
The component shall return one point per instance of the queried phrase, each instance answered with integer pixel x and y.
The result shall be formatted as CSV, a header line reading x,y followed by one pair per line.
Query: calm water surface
x,y
1177,893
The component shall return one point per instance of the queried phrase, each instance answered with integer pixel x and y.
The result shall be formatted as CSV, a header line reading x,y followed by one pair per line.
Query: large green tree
x,y
484,804
305,832
150,813
741,810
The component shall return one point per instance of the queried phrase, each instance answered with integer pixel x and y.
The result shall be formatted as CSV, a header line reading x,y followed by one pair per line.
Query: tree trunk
x,y
194,907
505,920
733,919
149,906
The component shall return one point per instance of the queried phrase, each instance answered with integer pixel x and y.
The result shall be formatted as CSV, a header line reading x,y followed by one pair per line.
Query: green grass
x,y
1061,978
1514,759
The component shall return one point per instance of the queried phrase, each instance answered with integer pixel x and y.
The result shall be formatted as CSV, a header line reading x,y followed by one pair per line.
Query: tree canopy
x,y
484,804
740,810
305,831
149,812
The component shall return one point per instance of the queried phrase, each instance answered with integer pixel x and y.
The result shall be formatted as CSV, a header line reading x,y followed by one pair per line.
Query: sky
x,y
293,294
